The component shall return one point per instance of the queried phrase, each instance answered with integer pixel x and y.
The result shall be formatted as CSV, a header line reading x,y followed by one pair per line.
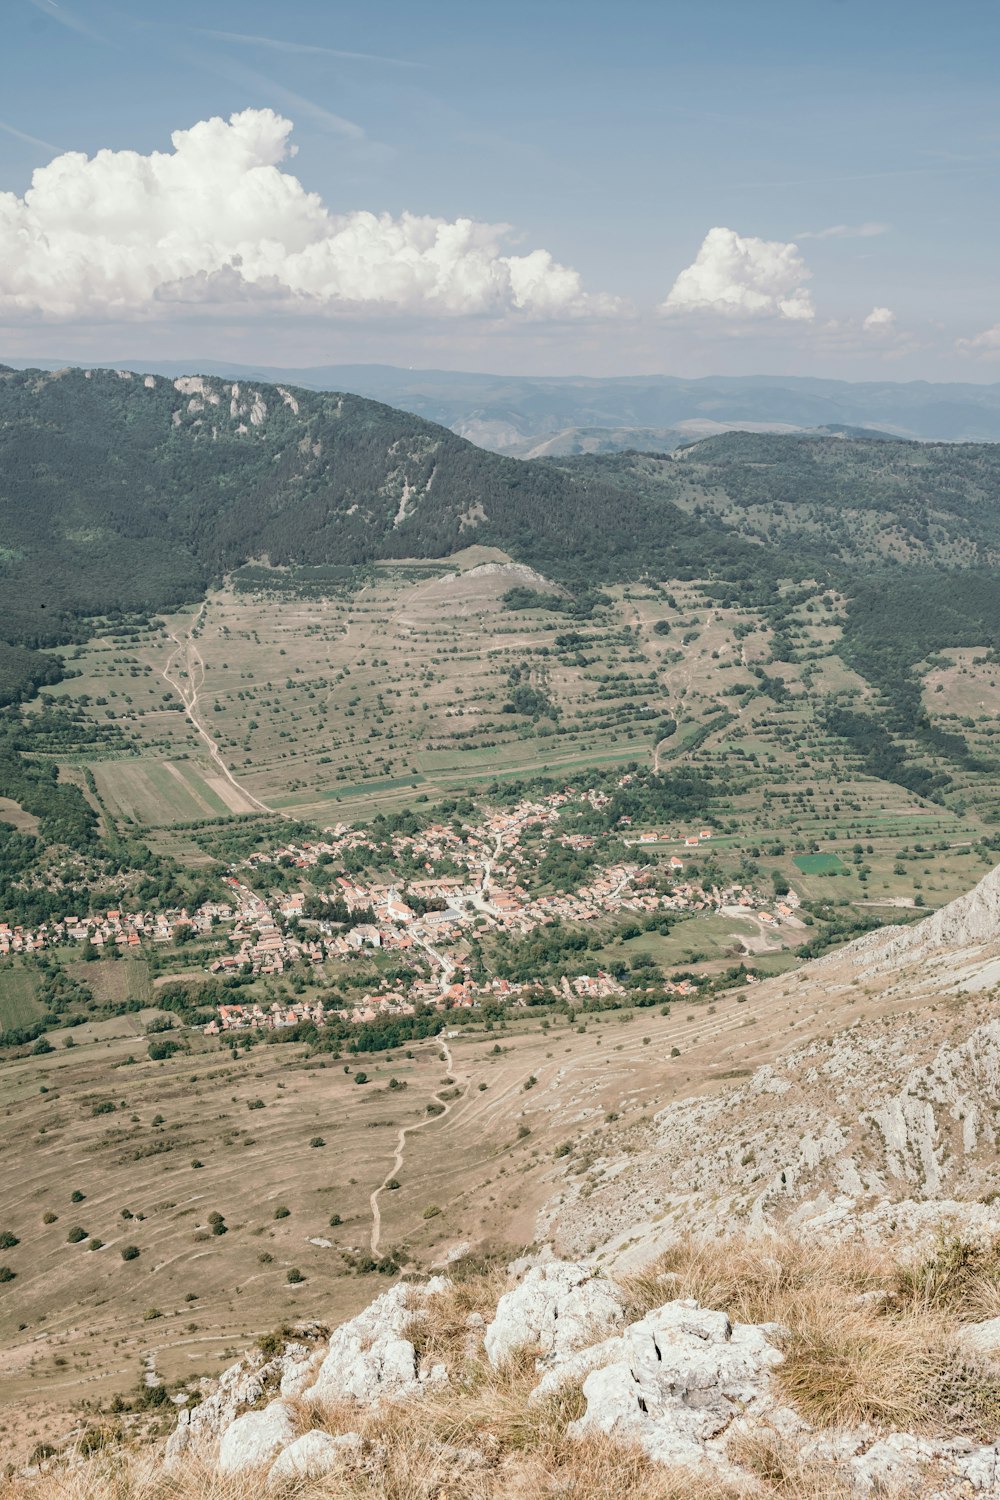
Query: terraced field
x,y
333,701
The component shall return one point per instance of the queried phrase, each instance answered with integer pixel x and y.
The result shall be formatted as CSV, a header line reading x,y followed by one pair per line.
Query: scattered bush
x,y
8,1240
294,1276
76,1234
130,1252
431,1211
7,1273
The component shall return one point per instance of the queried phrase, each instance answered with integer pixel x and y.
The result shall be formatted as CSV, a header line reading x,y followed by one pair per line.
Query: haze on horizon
x,y
567,189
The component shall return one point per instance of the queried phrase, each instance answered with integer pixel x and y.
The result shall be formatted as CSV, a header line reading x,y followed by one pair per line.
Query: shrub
x,y
8,1240
151,1314
317,1140
96,1244
76,1196
529,1083
564,1149
130,1252
49,1218
160,1051
361,1078
282,1213
196,1164
393,1185
431,1211
294,1276
335,1219
256,1104
675,1052
76,1234
265,1257
7,1273
106,1107
217,1223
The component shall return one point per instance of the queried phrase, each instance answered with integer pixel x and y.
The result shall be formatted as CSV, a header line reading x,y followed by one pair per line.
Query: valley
x,y
387,877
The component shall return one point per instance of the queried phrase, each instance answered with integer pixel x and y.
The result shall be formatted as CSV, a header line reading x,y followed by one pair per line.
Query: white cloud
x,y
741,277
879,320
986,343
845,232
219,220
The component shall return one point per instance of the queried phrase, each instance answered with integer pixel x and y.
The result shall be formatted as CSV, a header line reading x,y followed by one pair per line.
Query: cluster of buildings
x,y
471,877
113,929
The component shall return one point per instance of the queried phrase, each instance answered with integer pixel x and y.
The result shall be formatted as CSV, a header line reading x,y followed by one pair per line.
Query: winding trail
x,y
187,659
397,1160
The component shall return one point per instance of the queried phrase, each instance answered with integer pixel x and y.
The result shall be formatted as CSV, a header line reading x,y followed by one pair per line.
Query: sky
x,y
559,187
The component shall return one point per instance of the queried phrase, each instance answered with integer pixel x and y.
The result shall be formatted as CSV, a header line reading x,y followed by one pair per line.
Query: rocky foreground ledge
x,y
682,1383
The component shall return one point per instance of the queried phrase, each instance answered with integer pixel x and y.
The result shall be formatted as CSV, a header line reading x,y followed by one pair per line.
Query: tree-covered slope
x,y
124,492
854,500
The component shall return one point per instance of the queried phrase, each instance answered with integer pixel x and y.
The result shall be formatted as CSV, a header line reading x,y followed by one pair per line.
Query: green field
x,y
820,864
19,1003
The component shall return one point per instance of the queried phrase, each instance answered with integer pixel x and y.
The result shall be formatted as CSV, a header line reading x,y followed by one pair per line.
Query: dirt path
x,y
397,1160
186,658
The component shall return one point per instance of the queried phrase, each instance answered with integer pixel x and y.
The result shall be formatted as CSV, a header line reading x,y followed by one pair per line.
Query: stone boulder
x,y
253,1441
558,1308
683,1376
315,1454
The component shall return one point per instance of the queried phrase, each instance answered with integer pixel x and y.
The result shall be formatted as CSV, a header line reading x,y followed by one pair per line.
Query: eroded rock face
x,y
243,1385
370,1357
681,1377
681,1383
558,1308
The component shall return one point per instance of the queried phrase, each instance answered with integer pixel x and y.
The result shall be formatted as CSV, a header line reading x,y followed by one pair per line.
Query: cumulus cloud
x,y
739,276
879,320
986,343
220,219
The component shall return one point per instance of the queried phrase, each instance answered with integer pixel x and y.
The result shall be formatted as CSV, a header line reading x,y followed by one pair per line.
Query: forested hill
x,y
126,492
852,499
130,492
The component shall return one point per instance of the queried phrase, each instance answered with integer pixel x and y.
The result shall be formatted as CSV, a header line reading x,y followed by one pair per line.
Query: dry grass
x,y
440,1331
892,1361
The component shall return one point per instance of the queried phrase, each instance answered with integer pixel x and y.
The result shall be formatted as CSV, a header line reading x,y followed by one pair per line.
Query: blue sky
x,y
708,187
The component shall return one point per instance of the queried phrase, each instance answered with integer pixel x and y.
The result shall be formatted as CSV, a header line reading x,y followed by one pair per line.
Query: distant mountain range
x,y
533,417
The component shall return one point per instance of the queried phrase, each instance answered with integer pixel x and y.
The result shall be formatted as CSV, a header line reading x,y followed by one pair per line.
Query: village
x,y
474,881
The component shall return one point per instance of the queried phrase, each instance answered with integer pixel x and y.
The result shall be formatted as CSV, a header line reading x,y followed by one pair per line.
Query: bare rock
x,y
558,1308
200,1427
684,1376
370,1357
255,1440
314,1454
981,1338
